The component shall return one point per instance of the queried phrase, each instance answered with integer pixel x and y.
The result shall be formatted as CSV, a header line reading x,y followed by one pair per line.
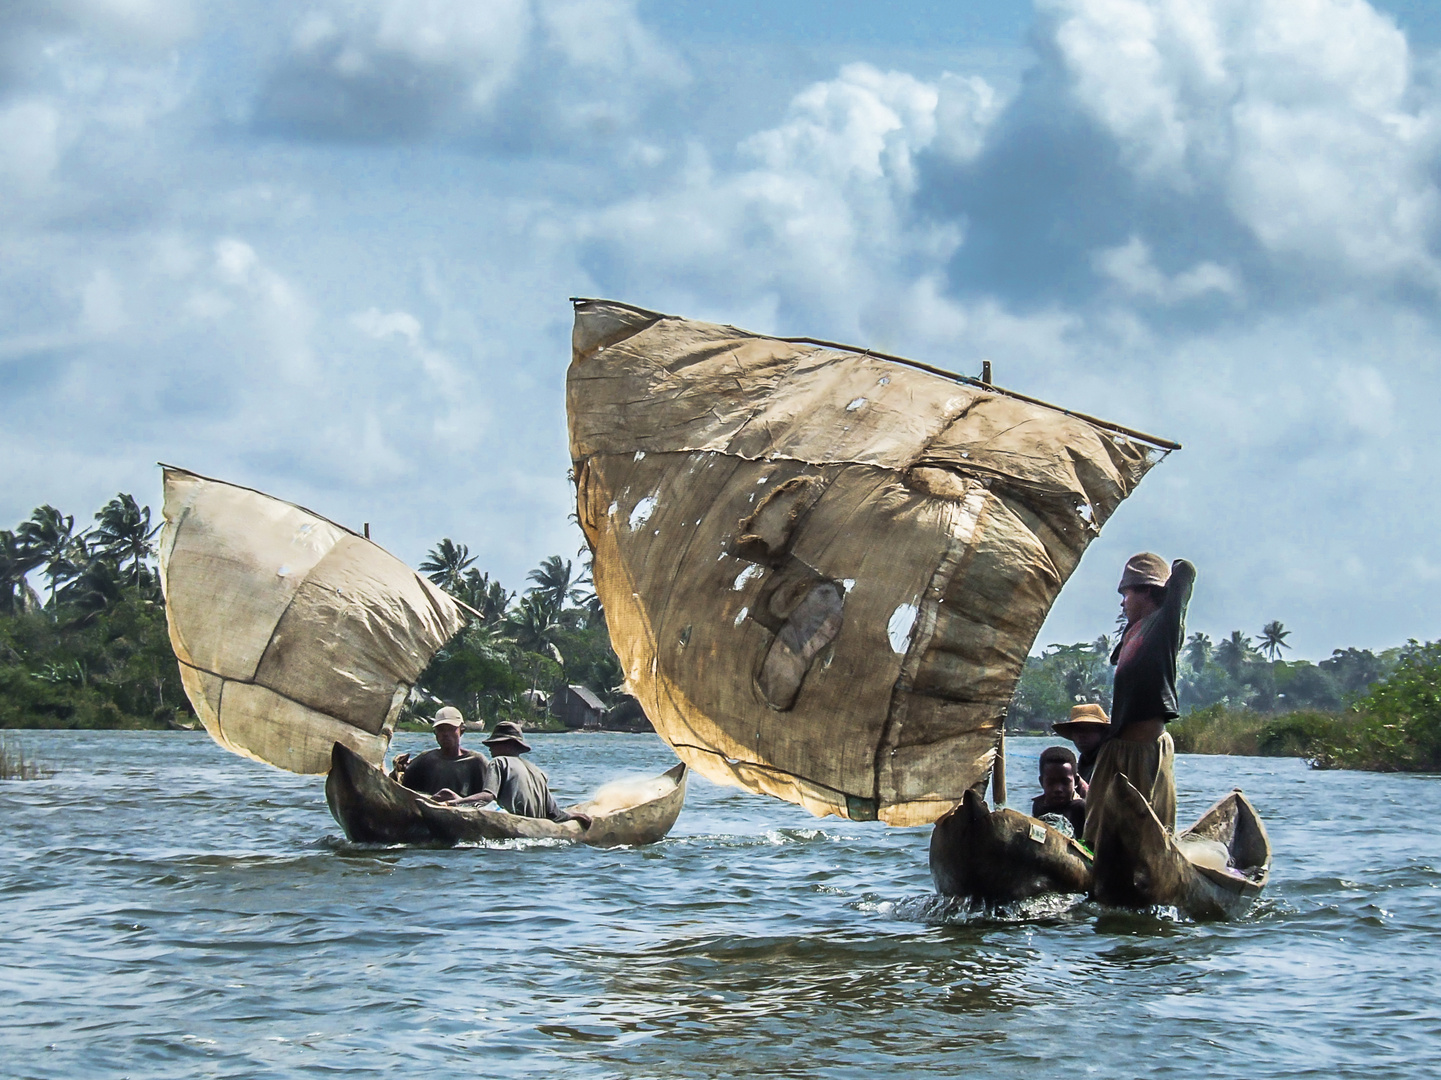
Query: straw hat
x,y
1146,568
1089,715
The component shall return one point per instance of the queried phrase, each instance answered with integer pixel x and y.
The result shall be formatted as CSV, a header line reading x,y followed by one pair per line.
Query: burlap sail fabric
x,y
292,632
822,570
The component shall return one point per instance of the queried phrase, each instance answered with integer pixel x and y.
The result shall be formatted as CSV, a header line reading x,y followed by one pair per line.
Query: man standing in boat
x,y
1154,599
516,784
447,773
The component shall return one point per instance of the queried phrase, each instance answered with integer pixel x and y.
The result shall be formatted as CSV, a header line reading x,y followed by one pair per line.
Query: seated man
x,y
447,773
1087,728
519,786
1057,805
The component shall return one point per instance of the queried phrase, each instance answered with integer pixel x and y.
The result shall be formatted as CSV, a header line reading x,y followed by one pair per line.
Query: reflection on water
x,y
174,911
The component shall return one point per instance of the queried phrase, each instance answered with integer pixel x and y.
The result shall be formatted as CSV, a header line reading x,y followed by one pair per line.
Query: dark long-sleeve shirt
x,y
1145,659
432,771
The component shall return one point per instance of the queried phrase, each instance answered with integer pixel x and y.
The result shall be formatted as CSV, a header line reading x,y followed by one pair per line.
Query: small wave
x,y
936,910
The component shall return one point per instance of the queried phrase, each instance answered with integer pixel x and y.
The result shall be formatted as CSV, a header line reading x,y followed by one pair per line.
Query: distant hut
x,y
538,700
627,716
578,707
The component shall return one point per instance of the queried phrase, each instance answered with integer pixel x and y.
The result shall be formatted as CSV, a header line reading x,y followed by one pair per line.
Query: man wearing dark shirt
x,y
1143,700
447,773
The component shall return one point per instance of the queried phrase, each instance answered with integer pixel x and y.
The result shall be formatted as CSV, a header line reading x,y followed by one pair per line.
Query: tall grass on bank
x,y
1219,729
1396,727
14,765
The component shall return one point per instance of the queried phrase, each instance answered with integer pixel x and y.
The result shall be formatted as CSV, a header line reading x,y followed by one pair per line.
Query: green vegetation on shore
x,y
1394,727
93,650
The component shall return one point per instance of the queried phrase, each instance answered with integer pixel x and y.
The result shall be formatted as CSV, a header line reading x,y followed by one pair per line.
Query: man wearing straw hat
x,y
1087,729
1154,597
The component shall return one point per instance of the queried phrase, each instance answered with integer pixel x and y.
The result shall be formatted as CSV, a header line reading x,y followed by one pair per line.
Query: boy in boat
x,y
516,784
1057,804
1087,729
447,773
1154,598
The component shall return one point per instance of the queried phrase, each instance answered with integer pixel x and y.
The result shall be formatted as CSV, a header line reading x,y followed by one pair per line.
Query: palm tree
x,y
554,582
15,562
533,623
1273,639
49,538
1234,653
123,535
95,588
486,596
446,565
1198,650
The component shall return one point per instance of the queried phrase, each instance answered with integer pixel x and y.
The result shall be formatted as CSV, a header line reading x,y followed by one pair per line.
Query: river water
x,y
170,910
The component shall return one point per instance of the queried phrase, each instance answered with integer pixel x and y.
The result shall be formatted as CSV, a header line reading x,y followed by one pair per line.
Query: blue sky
x,y
324,248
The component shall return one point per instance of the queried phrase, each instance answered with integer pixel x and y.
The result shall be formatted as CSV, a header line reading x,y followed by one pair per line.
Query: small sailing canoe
x,y
374,809
1213,870
1001,856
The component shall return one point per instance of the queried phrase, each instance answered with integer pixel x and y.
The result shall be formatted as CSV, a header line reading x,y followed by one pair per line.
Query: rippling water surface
x,y
170,910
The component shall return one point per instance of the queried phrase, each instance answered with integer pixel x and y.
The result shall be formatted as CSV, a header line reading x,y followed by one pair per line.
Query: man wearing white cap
x,y
447,773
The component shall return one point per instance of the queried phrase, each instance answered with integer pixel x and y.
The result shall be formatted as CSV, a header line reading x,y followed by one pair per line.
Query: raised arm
x,y
1178,596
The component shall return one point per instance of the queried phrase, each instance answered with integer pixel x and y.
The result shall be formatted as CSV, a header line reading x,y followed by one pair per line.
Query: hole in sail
x,y
808,629
856,404
642,512
685,636
746,576
741,615
903,621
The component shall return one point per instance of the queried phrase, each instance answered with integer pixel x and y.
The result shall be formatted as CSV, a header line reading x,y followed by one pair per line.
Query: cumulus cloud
x,y
1131,267
1211,219
517,73
1303,115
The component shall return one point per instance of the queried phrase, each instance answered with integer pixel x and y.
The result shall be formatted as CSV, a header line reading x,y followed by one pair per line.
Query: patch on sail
x,y
765,536
810,627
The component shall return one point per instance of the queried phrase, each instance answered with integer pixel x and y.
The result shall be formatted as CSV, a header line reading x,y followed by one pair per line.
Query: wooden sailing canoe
x,y
1002,856
374,809
823,568
1213,870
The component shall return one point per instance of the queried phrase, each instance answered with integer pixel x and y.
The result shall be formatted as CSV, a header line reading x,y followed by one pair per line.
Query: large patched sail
x,y
823,569
292,632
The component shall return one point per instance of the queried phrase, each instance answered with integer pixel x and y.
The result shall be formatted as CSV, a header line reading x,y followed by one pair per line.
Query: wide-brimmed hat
x,y
1147,568
505,731
449,716
1089,715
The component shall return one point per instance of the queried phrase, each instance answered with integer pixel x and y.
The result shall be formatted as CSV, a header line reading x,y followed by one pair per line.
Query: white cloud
x,y
514,72
1130,266
1302,114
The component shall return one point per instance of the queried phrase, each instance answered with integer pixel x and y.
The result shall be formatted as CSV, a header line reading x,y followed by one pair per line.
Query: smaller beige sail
x,y
292,632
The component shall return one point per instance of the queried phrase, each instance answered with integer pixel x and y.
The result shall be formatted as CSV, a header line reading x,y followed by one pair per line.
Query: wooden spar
x,y
984,382
1154,440
998,773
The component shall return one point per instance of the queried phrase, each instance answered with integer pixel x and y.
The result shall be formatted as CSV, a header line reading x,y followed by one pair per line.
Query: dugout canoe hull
x,y
1002,856
374,809
1139,865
